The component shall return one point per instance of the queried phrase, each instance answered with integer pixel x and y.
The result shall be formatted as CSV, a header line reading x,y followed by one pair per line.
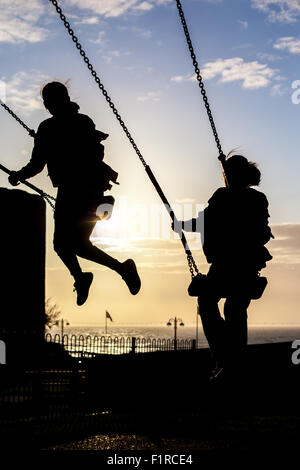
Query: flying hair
x,y
240,171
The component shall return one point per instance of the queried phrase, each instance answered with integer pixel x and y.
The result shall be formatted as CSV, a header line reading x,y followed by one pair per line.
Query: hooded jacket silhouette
x,y
70,146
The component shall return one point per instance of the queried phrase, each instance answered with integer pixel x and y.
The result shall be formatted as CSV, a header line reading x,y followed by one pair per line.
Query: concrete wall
x,y
22,280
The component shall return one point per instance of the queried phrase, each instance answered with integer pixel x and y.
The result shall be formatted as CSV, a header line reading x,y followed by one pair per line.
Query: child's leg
x,y
85,249
213,325
75,220
69,259
235,312
63,244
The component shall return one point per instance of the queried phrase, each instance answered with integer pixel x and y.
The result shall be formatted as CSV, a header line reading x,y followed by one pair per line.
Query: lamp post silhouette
x,y
175,322
62,324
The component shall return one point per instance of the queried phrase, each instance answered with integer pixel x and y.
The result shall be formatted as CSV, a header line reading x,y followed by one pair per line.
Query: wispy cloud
x,y
23,91
162,255
143,33
286,246
100,39
253,75
18,21
213,1
268,57
243,24
168,254
114,54
150,96
88,20
282,11
144,6
278,90
290,44
114,8
183,78
137,31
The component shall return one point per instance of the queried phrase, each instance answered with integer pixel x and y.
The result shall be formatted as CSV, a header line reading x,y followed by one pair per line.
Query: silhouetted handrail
x,y
46,196
86,346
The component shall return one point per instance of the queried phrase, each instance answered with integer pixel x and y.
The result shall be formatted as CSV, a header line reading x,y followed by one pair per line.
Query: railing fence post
x,y
133,345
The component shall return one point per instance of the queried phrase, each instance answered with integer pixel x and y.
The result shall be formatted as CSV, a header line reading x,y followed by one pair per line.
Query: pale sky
x,y
248,51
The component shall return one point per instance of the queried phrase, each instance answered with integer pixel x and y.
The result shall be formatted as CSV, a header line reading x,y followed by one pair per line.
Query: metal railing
x,y
69,395
89,346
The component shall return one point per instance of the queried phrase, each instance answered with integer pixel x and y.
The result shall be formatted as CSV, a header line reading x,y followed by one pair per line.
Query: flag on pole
x,y
108,315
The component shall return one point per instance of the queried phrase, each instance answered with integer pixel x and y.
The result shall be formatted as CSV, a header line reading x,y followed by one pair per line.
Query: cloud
x,y
243,24
88,20
18,21
113,54
288,43
23,91
268,57
286,246
253,75
99,39
278,90
183,78
114,8
213,1
165,256
282,11
144,6
168,254
150,96
143,33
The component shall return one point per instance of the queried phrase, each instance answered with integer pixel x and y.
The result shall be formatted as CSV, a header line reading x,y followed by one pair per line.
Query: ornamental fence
x,y
91,346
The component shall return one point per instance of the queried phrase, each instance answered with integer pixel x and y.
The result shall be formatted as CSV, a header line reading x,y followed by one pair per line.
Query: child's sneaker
x,y
131,276
82,287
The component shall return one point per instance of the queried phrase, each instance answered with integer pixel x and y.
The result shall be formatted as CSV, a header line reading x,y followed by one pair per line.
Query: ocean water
x,y
257,334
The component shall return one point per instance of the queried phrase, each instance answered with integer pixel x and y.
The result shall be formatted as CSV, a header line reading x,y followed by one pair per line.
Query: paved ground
x,y
246,434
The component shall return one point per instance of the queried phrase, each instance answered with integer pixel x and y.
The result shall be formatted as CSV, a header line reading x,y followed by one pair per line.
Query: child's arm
x,y
37,161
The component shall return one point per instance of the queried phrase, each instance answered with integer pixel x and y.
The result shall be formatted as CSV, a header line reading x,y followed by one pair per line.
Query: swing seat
x,y
200,284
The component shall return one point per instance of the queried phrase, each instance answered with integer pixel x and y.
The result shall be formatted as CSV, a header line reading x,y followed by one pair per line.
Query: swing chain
x,y
191,262
31,132
198,75
49,199
98,81
192,265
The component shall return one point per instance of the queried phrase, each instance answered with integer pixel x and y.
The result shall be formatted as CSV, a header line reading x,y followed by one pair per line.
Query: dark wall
x,y
22,281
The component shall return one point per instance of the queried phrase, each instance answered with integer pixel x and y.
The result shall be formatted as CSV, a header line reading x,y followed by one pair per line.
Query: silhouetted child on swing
x,y
70,146
235,232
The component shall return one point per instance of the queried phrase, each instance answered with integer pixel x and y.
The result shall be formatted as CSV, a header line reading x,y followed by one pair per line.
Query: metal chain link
x,y
192,265
191,262
48,198
31,132
98,81
198,75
